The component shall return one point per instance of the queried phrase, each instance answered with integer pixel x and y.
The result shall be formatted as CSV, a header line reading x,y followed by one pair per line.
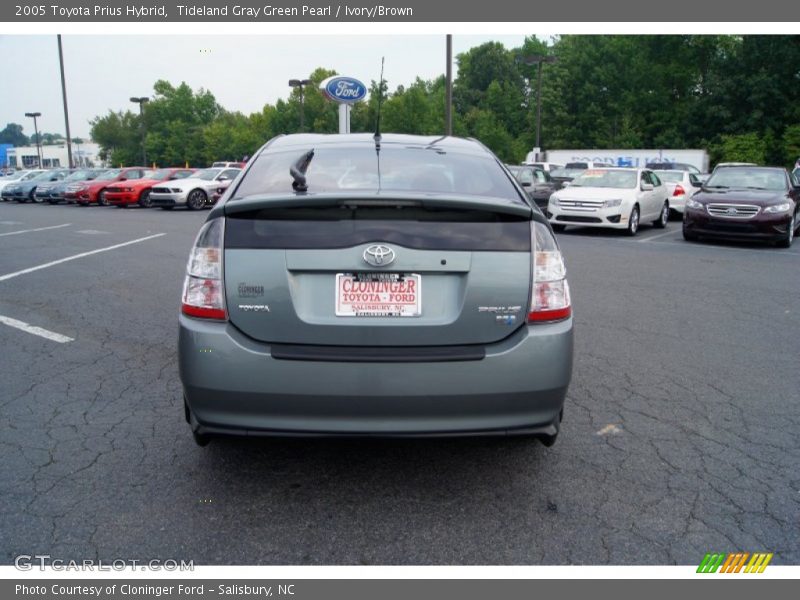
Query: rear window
x,y
395,168
606,179
410,226
671,176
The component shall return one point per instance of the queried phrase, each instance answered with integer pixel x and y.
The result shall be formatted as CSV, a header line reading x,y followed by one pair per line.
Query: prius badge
x,y
378,255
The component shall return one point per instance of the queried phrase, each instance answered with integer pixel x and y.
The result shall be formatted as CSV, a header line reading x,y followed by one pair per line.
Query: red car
x,y
94,191
138,191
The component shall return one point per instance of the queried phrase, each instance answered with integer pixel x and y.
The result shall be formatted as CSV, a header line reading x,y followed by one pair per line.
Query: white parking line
x,y
32,329
76,256
37,229
659,235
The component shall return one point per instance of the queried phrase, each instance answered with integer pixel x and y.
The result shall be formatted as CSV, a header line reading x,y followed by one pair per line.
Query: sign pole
x,y
343,120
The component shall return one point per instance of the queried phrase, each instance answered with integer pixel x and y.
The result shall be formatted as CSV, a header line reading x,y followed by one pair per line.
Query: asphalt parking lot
x,y
679,438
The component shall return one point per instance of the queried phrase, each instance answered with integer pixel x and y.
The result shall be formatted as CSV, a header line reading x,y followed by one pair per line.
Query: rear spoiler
x,y
445,201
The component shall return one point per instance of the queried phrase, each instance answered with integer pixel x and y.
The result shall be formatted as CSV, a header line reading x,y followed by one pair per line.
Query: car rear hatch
x,y
377,271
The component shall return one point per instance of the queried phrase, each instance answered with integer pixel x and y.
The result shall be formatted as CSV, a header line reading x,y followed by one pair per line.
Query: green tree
x,y
119,137
175,120
12,134
745,147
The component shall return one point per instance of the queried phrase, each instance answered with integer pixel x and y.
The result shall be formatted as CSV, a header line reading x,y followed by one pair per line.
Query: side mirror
x,y
222,178
566,184
123,179
647,187
525,183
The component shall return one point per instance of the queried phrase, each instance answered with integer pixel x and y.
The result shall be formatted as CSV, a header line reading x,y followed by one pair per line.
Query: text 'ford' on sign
x,y
344,89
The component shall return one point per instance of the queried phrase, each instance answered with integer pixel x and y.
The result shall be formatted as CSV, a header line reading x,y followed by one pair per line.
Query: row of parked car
x,y
166,188
736,201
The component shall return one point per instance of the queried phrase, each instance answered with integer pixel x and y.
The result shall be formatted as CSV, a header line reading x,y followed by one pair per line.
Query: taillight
x,y
679,191
203,291
550,299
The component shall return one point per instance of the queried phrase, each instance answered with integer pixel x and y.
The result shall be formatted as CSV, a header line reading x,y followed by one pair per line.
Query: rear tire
x,y
661,221
633,222
201,439
549,440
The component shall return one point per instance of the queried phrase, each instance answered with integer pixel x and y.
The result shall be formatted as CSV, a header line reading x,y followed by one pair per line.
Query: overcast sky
x,y
243,72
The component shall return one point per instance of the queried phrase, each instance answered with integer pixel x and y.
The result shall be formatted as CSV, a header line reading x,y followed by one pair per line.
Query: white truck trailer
x,y
624,158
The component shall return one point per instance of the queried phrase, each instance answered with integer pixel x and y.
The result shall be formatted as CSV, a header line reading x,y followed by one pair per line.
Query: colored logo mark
x,y
735,562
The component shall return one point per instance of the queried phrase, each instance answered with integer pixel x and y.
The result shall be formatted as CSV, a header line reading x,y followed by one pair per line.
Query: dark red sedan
x,y
758,203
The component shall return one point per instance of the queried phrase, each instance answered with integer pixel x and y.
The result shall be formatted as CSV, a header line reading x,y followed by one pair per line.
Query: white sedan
x,y
681,185
19,177
614,198
193,192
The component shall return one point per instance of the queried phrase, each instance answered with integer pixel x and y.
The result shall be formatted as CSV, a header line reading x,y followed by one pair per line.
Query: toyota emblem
x,y
379,256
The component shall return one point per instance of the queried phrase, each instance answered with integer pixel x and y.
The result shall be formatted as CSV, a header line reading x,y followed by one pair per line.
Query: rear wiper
x,y
298,171
755,187
718,187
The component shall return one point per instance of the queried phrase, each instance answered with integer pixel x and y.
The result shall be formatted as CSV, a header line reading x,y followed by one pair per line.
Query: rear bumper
x,y
678,203
233,385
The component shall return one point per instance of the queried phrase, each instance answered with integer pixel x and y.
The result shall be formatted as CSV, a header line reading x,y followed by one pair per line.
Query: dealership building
x,y
53,155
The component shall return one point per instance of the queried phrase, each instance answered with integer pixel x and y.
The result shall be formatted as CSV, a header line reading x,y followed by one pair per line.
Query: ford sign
x,y
344,89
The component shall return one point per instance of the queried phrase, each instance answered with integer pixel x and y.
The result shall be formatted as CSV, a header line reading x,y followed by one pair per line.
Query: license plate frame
x,y
378,294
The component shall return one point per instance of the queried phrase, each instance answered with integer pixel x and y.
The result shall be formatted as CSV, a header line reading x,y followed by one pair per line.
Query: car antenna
x,y
377,135
298,171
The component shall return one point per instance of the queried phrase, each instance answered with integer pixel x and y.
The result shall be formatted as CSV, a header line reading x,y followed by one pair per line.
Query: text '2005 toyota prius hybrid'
x,y
375,285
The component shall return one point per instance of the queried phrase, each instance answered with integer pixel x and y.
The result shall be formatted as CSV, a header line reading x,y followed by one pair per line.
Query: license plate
x,y
378,295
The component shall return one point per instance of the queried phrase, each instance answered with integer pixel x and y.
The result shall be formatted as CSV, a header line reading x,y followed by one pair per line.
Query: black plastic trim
x,y
375,354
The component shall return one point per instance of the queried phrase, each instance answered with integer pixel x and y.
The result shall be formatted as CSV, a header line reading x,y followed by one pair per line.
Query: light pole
x,y
448,100
64,96
539,59
34,115
141,101
300,83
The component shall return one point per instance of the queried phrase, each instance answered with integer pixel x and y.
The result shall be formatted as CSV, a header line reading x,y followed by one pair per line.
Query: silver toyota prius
x,y
366,285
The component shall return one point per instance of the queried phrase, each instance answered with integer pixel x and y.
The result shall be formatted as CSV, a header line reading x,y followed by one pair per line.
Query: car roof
x,y
755,168
309,140
604,168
